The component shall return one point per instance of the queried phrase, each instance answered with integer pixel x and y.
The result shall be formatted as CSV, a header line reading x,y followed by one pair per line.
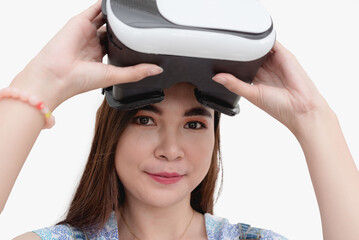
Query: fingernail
x,y
154,71
219,79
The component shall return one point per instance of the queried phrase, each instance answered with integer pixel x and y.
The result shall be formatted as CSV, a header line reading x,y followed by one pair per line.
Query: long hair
x,y
100,191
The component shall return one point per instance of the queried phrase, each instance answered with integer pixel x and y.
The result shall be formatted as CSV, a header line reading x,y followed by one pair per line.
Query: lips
x,y
166,177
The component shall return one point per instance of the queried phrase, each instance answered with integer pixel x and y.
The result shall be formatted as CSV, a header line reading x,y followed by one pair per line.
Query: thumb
x,y
104,75
237,86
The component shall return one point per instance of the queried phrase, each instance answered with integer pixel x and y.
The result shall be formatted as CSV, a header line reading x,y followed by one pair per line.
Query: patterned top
x,y
217,229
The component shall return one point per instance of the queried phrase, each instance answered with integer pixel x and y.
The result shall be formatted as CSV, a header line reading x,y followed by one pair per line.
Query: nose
x,y
169,146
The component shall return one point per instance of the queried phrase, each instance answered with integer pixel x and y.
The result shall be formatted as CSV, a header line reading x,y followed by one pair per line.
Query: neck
x,y
152,222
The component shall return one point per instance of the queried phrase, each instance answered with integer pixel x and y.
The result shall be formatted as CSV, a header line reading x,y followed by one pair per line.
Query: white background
x,y
266,182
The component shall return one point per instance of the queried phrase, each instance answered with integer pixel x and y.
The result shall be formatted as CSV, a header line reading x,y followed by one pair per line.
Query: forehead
x,y
183,91
180,97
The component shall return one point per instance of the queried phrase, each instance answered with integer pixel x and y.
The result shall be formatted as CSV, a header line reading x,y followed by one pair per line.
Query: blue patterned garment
x,y
217,229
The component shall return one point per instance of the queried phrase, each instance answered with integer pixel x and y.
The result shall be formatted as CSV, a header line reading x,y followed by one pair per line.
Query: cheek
x,y
131,150
133,145
199,151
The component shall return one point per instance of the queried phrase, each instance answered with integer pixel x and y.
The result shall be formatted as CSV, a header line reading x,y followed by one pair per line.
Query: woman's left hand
x,y
281,88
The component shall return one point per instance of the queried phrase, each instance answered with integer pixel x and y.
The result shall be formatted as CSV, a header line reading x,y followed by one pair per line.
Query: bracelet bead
x,y
40,105
33,100
14,93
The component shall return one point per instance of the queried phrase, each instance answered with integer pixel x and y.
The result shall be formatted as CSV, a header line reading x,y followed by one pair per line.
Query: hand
x,y
71,63
281,88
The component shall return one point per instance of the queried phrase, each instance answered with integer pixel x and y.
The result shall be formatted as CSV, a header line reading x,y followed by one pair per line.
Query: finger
x,y
102,34
272,50
103,75
282,51
92,12
237,86
99,20
278,47
102,29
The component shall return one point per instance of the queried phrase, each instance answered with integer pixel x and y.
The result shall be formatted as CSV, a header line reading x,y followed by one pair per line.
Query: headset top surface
x,y
240,30
232,15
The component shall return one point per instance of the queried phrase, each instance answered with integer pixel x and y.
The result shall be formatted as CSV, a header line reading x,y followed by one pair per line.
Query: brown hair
x,y
100,191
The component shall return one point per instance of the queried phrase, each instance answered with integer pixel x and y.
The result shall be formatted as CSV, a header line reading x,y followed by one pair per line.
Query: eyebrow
x,y
196,111
151,108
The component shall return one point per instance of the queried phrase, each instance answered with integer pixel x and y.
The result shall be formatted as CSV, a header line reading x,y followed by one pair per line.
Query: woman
x,y
162,207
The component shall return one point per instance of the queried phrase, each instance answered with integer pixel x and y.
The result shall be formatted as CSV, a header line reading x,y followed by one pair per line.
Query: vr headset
x,y
192,40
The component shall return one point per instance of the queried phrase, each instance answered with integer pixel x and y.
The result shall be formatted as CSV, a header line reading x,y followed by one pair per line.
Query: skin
x,y
284,90
167,141
281,88
54,80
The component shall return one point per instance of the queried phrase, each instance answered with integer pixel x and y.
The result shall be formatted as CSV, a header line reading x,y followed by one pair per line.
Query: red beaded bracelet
x,y
15,93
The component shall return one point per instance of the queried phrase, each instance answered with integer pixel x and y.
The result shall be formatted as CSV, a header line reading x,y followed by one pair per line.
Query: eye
x,y
195,125
143,120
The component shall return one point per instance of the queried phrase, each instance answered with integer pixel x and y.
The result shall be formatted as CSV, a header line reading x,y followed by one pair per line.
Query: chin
x,y
152,192
161,197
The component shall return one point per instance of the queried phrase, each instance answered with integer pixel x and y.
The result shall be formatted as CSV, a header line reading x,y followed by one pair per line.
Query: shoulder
x,y
66,232
28,236
220,228
63,232
56,232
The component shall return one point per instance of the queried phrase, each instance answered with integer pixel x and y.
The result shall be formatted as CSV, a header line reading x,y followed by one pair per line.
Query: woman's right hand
x,y
71,63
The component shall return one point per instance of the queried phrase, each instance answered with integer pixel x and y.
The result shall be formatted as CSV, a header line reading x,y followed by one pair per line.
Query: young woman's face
x,y
166,150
